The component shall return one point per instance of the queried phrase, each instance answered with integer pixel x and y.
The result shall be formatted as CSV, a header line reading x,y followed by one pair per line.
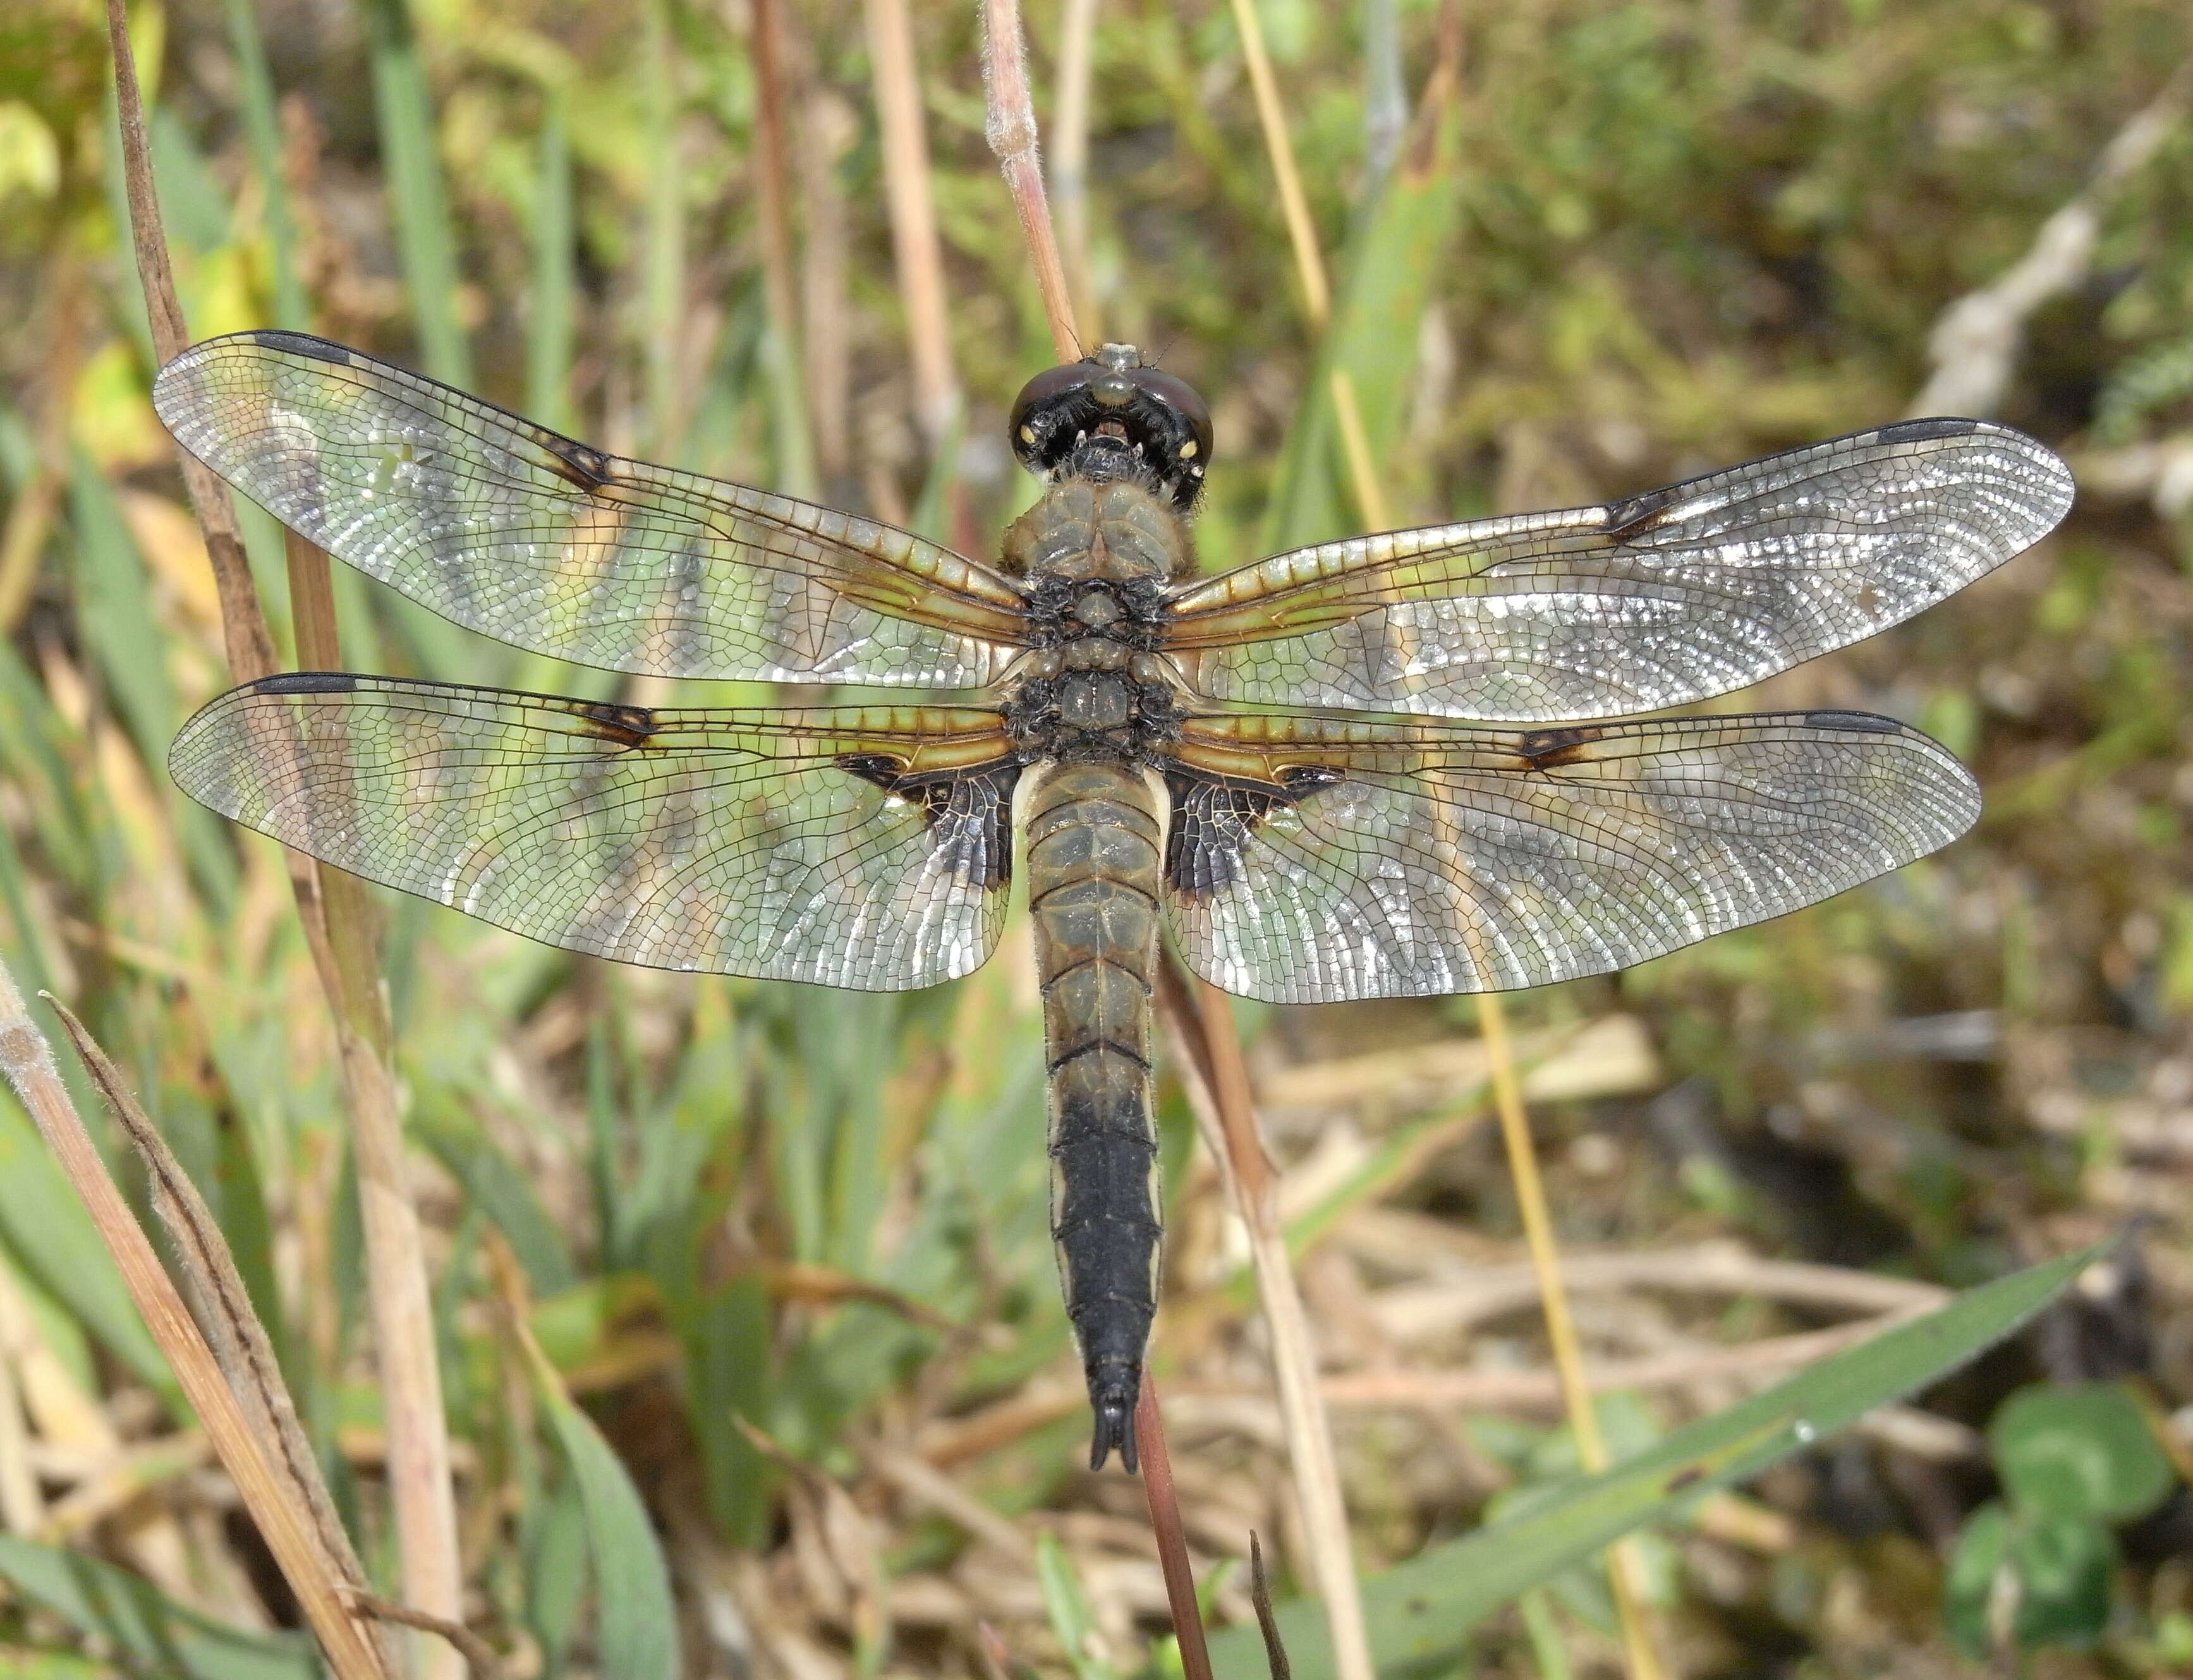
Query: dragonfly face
x,y
1265,764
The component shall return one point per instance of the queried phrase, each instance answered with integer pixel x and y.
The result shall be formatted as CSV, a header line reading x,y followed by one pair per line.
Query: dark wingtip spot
x,y
299,344
1688,1476
1919,431
306,682
1862,722
1633,511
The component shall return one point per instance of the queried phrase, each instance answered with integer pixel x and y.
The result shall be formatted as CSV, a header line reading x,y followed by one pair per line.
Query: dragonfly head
x,y
1108,417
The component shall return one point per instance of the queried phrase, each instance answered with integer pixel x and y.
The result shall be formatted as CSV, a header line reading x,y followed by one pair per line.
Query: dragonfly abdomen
x,y
1095,844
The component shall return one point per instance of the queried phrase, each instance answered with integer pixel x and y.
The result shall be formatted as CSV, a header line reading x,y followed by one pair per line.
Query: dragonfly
x,y
1393,765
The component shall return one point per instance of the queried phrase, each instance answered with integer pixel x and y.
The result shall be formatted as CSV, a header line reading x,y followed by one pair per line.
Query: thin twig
x,y
479,1656
287,1529
1974,346
1267,1623
1163,1497
914,242
1010,126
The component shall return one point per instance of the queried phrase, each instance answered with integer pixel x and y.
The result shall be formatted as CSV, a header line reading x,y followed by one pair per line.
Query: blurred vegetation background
x,y
1650,237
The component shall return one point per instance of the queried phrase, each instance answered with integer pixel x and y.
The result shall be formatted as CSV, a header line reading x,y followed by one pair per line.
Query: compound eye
x,y
1046,389
1179,395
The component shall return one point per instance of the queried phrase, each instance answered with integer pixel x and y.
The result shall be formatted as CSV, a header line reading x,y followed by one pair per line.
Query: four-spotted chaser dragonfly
x,y
1262,762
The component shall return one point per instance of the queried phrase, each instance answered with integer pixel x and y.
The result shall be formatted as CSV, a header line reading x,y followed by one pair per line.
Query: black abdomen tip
x,y
1112,1397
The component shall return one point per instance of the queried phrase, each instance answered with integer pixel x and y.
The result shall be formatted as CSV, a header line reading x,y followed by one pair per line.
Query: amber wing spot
x,y
586,467
626,726
1635,513
1551,749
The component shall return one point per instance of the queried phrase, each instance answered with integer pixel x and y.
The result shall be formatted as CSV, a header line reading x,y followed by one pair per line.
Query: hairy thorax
x,y
1097,559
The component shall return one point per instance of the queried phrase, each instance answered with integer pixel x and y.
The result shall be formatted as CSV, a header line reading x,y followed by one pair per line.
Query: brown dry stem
x,y
342,952
270,1494
915,246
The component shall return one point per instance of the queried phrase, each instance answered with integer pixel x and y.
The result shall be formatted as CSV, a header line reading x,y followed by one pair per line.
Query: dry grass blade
x,y
1508,1098
222,1306
333,909
1975,342
251,649
1009,126
1198,1026
270,1495
919,253
1069,160
421,1481
1163,1497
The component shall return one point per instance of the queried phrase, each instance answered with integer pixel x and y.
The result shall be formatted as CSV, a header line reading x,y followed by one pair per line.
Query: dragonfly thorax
x,y
1097,561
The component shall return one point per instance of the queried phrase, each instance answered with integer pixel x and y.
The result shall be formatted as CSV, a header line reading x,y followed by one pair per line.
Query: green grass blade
x,y
662,282
150,1632
548,325
1389,273
1421,1613
263,129
637,1625
426,241
500,1190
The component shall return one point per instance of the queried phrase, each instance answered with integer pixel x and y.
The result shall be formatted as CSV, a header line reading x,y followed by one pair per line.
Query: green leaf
x,y
1421,1613
2050,1576
555,1576
501,1191
1391,267
1073,1623
637,1623
2082,1450
426,240
50,1235
147,1630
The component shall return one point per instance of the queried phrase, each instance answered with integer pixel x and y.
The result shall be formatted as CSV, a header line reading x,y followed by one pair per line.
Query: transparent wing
x,y
523,534
1658,601
1311,860
861,847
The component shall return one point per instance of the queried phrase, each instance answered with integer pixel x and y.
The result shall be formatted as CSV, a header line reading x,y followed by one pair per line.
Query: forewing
x,y
525,535
1314,860
860,847
1654,601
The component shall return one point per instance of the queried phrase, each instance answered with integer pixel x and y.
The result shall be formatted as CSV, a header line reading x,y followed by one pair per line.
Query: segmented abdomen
x,y
1096,843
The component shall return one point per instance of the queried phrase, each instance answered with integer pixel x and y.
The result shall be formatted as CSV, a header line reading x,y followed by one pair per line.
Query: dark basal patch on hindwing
x,y
1551,749
1214,818
968,813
